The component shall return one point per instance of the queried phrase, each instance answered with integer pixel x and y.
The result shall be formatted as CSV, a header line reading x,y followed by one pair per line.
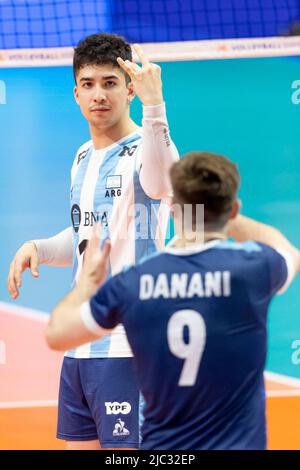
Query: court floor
x,y
29,376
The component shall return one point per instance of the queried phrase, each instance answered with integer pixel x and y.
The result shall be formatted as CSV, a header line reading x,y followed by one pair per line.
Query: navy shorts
x,y
99,399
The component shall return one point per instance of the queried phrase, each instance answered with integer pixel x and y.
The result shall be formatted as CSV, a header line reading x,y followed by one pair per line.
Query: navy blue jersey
x,y
196,322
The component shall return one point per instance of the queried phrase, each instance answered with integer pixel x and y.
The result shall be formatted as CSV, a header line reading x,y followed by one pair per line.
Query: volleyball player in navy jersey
x,y
195,315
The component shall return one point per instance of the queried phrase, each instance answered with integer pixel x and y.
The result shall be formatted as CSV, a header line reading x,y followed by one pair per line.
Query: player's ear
x,y
130,91
235,208
76,94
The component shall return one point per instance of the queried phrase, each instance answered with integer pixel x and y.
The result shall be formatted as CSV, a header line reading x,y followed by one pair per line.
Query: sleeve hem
x,y
155,111
291,270
89,321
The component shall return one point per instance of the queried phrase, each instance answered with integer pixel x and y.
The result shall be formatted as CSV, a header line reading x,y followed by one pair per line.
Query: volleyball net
x,y
62,23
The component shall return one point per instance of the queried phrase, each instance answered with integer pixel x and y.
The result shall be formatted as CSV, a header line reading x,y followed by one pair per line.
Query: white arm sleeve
x,y
291,269
158,153
57,250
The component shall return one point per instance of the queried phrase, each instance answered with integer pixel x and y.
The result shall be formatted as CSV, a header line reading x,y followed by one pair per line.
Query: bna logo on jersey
x,y
76,217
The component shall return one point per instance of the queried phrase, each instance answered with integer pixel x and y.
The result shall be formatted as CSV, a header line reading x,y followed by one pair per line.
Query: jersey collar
x,y
192,249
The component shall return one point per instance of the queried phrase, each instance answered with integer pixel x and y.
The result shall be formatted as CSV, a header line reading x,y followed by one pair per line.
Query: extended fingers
x,y
94,241
124,65
18,269
106,250
129,67
11,282
141,55
33,264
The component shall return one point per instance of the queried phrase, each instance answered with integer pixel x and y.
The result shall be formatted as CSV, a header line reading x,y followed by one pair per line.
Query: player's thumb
x,y
34,265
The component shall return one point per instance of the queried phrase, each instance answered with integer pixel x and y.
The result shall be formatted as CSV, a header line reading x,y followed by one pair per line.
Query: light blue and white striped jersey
x,y
105,186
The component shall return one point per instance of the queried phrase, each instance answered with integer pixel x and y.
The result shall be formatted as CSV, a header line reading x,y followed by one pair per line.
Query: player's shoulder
x,y
249,246
79,156
138,133
82,151
247,249
262,254
276,257
260,249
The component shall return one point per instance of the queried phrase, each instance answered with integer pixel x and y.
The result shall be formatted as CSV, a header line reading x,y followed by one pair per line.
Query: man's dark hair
x,y
209,179
101,49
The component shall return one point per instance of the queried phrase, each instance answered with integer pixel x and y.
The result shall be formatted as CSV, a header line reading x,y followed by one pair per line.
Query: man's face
x,y
102,94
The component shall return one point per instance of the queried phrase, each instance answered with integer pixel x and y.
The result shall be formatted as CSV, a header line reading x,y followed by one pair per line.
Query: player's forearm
x,y
243,228
57,250
66,329
158,152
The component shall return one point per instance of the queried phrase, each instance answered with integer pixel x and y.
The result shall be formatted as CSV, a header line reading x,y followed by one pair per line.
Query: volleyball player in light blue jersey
x,y
195,315
120,178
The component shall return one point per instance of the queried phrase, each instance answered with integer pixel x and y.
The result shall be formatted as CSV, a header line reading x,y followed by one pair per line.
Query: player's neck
x,y
104,137
189,239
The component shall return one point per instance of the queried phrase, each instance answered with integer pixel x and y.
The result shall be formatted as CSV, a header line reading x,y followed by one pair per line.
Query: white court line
x,y
25,312
282,379
53,403
283,393
28,404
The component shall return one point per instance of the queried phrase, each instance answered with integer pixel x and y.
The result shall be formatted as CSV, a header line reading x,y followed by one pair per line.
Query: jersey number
x,y
191,351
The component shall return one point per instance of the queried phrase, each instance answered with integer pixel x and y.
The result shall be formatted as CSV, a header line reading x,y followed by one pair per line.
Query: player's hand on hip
x,y
25,258
146,79
95,265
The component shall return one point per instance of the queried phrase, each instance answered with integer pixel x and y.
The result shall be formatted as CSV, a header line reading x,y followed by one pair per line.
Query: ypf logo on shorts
x,y
115,408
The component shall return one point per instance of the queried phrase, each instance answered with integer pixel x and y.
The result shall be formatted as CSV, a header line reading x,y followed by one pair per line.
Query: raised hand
x,y
146,79
25,258
95,264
